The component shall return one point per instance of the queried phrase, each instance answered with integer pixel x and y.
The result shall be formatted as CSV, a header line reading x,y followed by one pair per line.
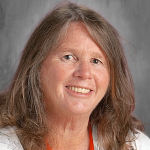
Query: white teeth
x,y
78,90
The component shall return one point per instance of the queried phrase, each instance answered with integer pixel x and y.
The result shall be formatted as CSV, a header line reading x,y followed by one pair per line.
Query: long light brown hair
x,y
22,104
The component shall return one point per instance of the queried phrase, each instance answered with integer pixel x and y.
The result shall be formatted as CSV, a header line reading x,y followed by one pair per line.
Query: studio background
x,y
131,18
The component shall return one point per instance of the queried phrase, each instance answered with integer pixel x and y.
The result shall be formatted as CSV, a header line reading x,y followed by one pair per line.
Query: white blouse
x,y
10,141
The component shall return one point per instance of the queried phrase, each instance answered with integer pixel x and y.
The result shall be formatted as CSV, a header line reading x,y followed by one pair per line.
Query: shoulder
x,y
142,141
9,139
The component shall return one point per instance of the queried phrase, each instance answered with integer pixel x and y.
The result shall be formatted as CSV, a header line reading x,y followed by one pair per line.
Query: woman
x,y
72,89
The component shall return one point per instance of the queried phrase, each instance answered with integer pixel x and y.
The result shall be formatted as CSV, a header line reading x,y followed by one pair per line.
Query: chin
x,y
80,111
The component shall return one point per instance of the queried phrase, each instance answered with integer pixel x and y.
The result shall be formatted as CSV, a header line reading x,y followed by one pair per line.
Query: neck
x,y
69,132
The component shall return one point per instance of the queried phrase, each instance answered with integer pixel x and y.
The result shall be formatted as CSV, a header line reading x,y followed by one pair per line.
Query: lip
x,y
78,94
78,86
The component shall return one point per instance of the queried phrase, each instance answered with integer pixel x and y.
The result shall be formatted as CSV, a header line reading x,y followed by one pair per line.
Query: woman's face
x,y
75,77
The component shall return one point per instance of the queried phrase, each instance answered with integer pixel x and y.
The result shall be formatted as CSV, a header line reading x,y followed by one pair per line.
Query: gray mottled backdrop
x,y
131,18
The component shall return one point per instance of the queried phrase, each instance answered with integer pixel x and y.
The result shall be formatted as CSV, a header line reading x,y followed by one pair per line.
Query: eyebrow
x,y
63,48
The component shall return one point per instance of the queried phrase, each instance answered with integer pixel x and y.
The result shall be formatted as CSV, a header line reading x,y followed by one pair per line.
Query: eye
x,y
96,61
68,57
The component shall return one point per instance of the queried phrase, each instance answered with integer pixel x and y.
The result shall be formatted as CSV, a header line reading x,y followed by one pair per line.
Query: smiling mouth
x,y
79,90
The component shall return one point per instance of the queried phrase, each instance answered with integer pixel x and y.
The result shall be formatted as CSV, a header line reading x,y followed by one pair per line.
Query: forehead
x,y
76,29
77,35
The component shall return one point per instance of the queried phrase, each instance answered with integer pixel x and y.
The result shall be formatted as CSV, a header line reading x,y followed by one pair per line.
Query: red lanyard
x,y
91,138
48,146
90,141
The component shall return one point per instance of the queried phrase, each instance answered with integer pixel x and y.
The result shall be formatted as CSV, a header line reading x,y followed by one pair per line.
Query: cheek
x,y
103,81
52,78
106,79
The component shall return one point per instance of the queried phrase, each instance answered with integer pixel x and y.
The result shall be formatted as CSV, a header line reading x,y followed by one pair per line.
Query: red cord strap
x,y
91,138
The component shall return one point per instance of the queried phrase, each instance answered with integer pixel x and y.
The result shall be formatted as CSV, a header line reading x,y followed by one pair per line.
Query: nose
x,y
83,70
